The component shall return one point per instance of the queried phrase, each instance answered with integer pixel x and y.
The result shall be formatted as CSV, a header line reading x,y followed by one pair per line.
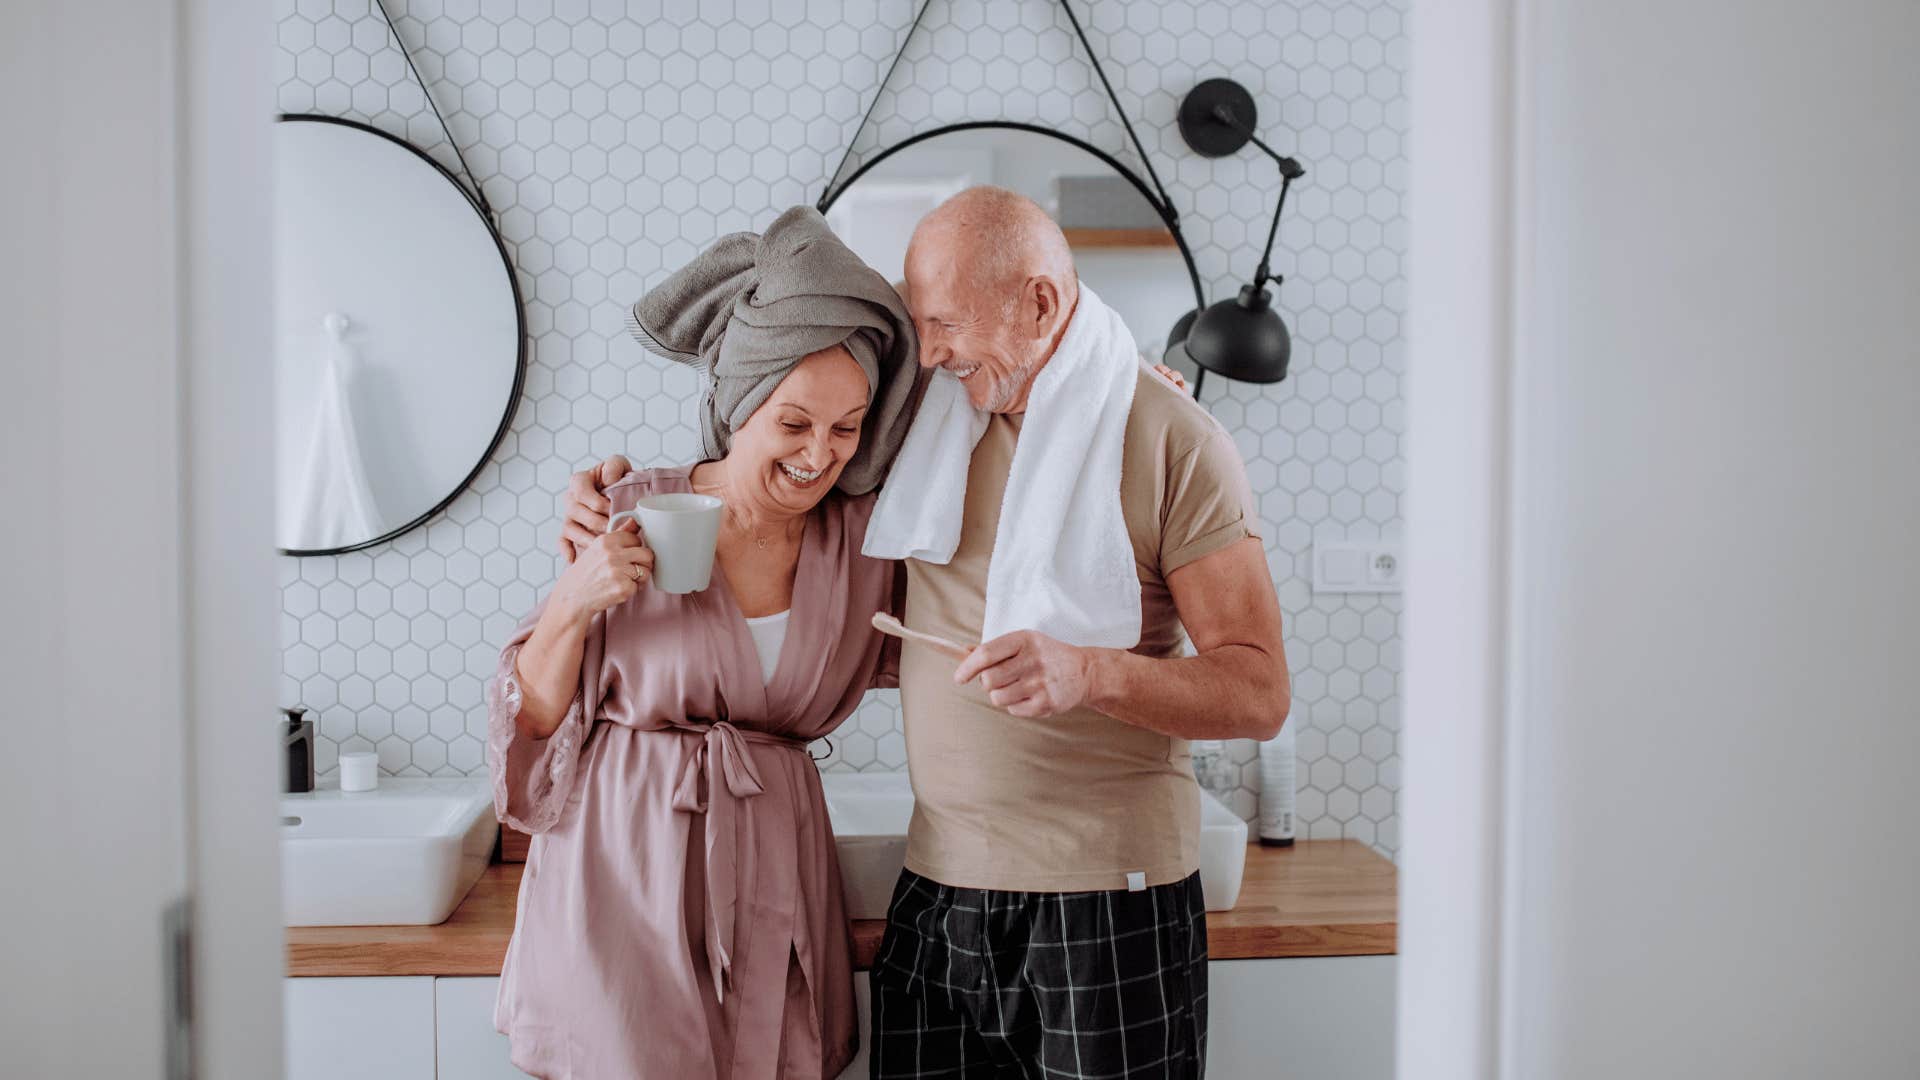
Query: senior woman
x,y
681,915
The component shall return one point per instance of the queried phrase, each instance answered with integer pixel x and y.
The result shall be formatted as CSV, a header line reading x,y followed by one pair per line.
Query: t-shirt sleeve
x,y
1208,504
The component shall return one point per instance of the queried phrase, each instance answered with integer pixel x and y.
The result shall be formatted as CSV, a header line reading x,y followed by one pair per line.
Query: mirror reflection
x,y
1120,246
399,350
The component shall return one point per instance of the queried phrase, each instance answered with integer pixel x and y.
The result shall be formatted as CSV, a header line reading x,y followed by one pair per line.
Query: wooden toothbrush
x,y
887,624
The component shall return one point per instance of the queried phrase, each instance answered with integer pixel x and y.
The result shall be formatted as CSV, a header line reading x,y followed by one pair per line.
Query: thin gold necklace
x,y
760,542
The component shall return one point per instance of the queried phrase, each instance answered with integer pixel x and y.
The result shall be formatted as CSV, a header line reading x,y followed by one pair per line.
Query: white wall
x,y
135,573
1461,151
619,137
91,779
1712,732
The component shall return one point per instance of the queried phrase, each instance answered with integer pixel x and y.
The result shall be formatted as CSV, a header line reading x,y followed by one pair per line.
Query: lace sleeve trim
x,y
555,760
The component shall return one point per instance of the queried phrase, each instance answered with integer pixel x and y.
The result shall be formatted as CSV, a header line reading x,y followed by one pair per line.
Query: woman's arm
x,y
609,571
886,676
548,669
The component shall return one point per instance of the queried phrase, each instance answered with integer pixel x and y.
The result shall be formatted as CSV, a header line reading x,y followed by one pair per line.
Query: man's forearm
x,y
1230,692
1236,687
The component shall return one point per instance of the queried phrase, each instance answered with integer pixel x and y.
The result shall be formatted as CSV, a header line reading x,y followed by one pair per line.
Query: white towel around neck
x,y
1062,560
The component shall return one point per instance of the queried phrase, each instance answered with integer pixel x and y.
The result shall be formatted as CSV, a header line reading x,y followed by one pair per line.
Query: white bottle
x,y
1275,824
1214,769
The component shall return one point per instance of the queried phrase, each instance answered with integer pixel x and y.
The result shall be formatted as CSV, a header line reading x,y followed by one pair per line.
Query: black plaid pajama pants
x,y
1042,986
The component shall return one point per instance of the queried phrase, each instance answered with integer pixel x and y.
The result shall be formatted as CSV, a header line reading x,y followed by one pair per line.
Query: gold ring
x,y
639,572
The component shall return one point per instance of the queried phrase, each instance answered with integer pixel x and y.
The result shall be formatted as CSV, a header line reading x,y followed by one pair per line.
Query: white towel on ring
x,y
1062,560
325,499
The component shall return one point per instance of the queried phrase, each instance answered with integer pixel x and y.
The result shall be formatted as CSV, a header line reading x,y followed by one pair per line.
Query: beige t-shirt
x,y
1074,802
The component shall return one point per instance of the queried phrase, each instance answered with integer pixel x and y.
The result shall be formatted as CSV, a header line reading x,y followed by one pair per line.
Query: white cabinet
x,y
359,1029
394,1029
1310,1018
1313,1018
469,1047
1316,1018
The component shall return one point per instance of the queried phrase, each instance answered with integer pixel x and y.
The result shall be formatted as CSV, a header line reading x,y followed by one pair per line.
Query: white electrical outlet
x,y
1357,566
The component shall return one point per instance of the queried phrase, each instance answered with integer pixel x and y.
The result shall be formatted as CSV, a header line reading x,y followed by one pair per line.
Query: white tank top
x,y
769,633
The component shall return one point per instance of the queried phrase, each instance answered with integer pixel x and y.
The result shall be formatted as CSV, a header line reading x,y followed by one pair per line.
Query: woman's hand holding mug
x,y
584,509
606,573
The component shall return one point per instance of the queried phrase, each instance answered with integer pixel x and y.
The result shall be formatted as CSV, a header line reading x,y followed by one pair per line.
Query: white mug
x,y
682,528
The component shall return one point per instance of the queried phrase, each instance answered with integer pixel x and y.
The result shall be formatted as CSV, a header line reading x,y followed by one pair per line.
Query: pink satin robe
x,y
681,914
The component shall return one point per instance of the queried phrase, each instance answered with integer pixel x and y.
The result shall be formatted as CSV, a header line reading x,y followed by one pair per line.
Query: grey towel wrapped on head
x,y
749,308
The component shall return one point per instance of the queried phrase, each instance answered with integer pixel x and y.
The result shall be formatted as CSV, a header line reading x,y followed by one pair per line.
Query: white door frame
x,y
226,95
90,651
140,653
1466,251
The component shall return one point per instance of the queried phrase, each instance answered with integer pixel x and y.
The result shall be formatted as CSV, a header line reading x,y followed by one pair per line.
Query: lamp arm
x,y
1261,274
1290,170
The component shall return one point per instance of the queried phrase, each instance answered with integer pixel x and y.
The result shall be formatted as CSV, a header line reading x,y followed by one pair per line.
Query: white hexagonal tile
x,y
604,173
355,691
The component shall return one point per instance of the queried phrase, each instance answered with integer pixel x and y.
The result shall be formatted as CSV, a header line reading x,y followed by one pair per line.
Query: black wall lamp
x,y
1243,338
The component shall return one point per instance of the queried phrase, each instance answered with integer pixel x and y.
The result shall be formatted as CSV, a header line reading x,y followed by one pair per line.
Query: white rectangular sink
x,y
402,855
870,812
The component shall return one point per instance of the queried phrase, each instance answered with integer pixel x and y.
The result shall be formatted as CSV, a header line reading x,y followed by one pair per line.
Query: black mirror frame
x,y
520,321
1172,220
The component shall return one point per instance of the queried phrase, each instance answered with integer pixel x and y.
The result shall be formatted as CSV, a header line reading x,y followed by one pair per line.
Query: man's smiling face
x,y
969,318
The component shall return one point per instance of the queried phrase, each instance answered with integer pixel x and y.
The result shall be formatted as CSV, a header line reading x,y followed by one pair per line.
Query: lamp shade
x,y
1242,338
1176,352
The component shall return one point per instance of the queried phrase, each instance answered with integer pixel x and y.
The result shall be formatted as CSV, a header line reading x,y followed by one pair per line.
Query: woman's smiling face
x,y
791,451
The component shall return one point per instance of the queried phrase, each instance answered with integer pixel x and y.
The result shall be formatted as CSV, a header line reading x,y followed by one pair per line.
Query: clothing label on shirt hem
x,y
1082,881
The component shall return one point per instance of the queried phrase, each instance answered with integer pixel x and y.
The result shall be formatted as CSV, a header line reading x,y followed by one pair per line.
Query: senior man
x,y
1049,920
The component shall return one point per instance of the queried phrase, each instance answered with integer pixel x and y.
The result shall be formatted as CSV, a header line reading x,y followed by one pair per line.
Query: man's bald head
x,y
998,240
991,285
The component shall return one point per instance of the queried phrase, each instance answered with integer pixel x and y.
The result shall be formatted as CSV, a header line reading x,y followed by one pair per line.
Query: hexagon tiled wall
x,y
616,139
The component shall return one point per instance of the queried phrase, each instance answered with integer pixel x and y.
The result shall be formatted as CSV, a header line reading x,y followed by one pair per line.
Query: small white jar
x,y
359,770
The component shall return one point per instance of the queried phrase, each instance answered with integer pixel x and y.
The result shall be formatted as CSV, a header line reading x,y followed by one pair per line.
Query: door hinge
x,y
177,938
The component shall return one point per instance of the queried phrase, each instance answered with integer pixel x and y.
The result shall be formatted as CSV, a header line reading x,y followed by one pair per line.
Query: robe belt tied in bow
x,y
716,776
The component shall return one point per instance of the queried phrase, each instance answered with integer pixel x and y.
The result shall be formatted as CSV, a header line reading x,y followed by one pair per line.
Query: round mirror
x,y
1121,247
400,346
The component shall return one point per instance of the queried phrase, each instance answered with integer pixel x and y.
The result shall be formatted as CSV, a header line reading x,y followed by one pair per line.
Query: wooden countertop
x,y
1317,898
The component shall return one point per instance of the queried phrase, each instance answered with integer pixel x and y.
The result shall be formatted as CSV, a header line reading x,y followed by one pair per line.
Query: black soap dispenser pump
x,y
297,740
